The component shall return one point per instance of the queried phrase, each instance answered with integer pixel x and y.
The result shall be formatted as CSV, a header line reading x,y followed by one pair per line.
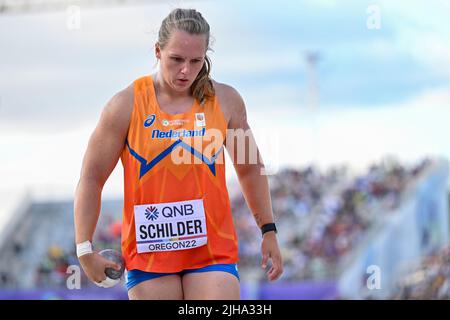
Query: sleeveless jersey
x,y
176,211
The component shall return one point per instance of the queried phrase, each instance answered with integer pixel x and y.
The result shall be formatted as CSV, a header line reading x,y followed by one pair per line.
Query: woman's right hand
x,y
94,266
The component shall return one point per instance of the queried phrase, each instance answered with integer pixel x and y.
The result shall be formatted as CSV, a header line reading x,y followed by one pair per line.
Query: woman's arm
x,y
249,167
103,152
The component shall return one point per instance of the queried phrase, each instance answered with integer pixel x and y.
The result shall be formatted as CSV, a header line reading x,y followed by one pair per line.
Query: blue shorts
x,y
135,276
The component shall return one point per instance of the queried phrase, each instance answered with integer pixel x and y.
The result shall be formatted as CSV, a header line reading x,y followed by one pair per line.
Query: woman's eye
x,y
177,59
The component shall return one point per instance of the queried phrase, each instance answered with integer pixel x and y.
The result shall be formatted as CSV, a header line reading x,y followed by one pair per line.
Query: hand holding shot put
x,y
104,268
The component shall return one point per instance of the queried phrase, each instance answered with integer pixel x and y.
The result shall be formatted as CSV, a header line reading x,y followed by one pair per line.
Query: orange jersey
x,y
177,211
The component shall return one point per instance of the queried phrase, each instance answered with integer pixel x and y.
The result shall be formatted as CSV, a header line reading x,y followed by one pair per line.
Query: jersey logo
x,y
200,120
149,121
175,122
146,165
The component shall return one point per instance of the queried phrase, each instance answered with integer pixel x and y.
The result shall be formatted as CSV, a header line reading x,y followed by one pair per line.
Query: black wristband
x,y
268,227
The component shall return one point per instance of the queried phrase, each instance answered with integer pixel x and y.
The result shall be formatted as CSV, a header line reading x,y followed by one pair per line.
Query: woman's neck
x,y
163,89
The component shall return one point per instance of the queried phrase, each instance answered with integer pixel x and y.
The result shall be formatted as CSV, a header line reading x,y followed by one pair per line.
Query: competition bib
x,y
170,226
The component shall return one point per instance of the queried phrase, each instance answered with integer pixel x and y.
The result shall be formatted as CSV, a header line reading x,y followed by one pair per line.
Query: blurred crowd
x,y
53,269
294,193
428,280
321,217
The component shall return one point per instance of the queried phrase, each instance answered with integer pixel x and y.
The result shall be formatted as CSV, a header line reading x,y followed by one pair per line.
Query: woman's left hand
x,y
270,250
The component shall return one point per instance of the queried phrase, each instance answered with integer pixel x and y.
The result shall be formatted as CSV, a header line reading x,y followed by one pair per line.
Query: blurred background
x,y
349,103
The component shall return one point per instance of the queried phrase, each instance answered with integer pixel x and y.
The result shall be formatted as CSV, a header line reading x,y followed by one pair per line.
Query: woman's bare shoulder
x,y
116,115
123,100
120,106
230,100
226,91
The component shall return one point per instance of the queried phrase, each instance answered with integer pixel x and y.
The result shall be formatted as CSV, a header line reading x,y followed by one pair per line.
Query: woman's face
x,y
182,59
